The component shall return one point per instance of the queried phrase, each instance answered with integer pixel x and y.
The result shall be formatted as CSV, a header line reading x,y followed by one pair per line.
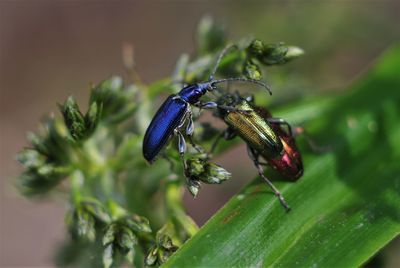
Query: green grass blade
x,y
345,207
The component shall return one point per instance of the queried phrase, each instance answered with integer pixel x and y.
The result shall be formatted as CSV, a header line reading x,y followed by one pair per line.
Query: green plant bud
x,y
73,119
116,101
92,118
31,159
279,54
274,54
252,70
108,256
151,258
56,140
110,234
126,239
118,237
130,256
53,141
210,36
293,52
193,186
195,167
97,210
201,170
85,217
214,174
106,91
256,48
37,142
164,245
46,170
85,225
138,223
31,182
164,241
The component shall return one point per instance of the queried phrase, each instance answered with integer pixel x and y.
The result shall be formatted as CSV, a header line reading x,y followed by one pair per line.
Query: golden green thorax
x,y
254,129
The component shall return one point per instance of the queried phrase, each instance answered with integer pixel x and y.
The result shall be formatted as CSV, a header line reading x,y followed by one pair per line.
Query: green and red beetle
x,y
264,137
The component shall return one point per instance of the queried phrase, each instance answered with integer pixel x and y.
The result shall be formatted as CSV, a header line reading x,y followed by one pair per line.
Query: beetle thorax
x,y
193,93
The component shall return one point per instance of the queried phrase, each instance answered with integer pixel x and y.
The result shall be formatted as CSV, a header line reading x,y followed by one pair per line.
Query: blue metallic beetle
x,y
176,112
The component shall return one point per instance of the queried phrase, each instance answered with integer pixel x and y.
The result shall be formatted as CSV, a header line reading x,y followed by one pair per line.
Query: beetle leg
x,y
195,146
229,133
181,143
254,157
250,99
206,105
181,140
189,133
182,149
182,123
280,121
190,126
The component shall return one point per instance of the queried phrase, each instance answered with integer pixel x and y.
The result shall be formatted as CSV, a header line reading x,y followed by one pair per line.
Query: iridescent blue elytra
x,y
169,117
175,114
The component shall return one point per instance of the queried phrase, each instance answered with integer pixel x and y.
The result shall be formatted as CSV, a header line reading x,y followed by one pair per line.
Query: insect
x,y
264,137
174,117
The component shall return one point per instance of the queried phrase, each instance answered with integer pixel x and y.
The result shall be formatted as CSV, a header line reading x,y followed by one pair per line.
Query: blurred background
x,y
52,49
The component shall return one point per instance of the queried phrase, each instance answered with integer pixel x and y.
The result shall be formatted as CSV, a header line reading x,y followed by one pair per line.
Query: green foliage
x,y
124,212
207,172
115,99
345,207
83,218
200,169
80,127
251,70
163,248
46,162
272,54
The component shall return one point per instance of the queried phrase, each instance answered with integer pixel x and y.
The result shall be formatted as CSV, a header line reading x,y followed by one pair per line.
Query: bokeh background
x,y
52,49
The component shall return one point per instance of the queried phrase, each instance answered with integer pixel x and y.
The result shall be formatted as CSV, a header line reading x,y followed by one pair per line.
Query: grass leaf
x,y
345,207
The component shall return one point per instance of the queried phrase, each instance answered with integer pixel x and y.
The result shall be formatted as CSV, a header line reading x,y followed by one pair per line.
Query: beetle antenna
x,y
221,55
242,79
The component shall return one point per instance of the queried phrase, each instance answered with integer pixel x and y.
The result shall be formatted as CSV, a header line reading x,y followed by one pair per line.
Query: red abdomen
x,y
288,164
